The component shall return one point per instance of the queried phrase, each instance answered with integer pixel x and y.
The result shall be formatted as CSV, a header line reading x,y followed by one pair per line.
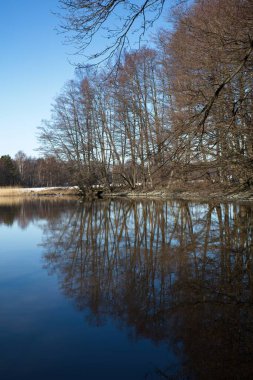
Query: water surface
x,y
126,290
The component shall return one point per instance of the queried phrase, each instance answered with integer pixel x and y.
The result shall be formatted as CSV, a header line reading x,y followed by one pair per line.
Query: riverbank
x,y
163,193
191,195
39,191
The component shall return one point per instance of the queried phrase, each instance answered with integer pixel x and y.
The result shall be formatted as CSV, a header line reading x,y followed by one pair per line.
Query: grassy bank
x,y
196,191
193,194
13,192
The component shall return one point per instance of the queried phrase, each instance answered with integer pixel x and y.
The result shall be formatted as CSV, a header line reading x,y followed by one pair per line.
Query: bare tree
x,y
210,66
183,110
112,20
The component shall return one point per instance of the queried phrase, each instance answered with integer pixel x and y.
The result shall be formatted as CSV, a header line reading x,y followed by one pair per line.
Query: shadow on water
x,y
177,273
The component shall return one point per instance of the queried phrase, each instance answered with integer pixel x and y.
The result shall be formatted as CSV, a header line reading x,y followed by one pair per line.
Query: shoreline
x,y
159,194
246,196
38,191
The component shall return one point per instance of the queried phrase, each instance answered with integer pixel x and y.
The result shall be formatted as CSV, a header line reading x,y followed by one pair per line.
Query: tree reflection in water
x,y
174,272
31,210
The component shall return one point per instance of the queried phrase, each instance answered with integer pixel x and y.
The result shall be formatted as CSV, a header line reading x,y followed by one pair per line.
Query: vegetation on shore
x,y
175,115
177,110
11,192
16,194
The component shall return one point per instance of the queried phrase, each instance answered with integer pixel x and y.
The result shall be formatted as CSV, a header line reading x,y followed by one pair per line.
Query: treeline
x,y
181,111
33,172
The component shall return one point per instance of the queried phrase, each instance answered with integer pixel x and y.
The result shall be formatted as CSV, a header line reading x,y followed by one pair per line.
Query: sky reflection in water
x,y
126,290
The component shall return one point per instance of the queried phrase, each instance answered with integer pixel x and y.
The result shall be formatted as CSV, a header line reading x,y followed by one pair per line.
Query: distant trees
x,y
181,111
33,172
9,174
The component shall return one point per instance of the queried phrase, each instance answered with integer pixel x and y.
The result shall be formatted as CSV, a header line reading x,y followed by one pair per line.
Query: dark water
x,y
126,290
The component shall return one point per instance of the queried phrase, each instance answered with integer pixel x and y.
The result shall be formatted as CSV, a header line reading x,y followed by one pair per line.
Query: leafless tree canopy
x,y
182,111
114,20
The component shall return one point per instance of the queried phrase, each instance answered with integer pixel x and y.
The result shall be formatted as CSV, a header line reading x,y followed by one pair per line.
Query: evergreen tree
x,y
9,173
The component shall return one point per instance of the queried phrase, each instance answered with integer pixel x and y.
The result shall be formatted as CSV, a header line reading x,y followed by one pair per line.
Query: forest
x,y
26,171
177,111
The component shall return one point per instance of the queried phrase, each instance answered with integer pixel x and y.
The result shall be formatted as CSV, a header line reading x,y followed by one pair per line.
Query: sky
x,y
34,65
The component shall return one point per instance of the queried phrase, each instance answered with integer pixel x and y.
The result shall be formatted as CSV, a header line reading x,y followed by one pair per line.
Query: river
x,y
126,290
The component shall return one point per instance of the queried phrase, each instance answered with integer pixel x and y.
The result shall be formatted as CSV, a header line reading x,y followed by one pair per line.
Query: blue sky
x,y
34,66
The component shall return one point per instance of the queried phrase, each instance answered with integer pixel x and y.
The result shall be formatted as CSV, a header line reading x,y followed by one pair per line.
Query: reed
x,y
11,191
31,192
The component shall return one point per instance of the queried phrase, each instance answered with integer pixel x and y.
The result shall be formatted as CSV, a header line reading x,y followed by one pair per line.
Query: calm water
x,y
126,290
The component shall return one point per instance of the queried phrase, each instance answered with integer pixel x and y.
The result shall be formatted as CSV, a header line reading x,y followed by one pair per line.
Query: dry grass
x,y
11,192
10,196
